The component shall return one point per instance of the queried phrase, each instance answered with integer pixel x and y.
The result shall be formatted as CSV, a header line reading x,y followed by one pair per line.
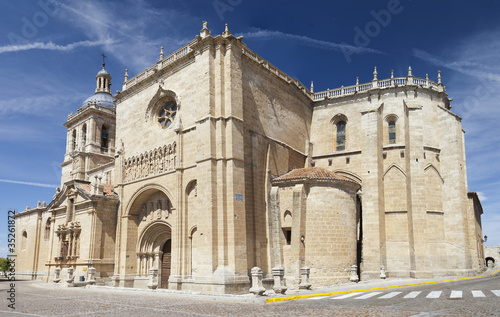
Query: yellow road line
x,y
280,299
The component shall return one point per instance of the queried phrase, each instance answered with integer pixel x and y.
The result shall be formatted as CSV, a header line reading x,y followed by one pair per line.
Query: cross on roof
x,y
103,61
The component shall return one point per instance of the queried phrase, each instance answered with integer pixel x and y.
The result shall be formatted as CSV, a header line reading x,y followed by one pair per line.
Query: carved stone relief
x,y
151,163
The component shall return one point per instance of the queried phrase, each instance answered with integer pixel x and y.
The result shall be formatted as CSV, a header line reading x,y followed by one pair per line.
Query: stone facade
x,y
213,162
492,255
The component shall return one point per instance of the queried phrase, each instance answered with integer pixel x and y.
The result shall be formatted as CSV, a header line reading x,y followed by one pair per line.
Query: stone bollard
x,y
257,288
115,280
91,278
279,285
304,278
57,275
382,272
71,277
354,273
153,278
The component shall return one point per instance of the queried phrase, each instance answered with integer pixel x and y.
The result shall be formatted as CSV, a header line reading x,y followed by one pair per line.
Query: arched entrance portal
x,y
165,263
155,250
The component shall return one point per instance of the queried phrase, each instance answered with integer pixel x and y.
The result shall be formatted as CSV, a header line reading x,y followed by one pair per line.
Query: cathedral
x,y
213,164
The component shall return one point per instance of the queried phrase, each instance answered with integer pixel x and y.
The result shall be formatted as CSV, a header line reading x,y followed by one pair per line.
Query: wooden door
x,y
165,263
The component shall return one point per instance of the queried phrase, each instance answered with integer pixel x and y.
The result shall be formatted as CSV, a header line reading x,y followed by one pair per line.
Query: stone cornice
x,y
90,109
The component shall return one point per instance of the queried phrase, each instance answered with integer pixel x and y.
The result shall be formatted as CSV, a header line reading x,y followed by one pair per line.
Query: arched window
x,y
73,141
341,135
84,134
392,132
104,138
46,235
24,240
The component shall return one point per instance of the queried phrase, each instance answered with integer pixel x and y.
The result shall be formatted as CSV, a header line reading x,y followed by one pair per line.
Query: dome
x,y
100,98
103,72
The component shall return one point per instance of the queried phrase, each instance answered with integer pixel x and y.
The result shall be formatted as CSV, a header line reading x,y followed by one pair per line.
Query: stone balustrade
x,y
381,84
162,63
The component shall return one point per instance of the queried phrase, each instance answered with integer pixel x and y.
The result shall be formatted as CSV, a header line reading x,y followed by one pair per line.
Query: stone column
x,y
139,264
257,288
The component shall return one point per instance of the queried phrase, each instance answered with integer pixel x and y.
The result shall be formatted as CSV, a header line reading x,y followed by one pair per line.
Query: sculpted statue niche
x,y
154,162
155,209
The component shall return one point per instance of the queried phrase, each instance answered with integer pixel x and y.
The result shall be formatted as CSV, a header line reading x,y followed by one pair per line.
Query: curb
x,y
280,299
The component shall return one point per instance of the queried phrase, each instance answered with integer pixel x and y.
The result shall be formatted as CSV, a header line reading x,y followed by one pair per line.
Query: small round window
x,y
166,114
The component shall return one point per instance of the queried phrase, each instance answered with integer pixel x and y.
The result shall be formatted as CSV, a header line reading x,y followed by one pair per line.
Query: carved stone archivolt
x,y
155,210
154,162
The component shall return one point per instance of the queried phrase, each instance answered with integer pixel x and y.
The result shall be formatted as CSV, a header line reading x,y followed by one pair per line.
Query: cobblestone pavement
x,y
34,298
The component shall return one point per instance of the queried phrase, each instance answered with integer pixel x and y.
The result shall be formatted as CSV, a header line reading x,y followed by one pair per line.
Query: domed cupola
x,y
102,95
103,80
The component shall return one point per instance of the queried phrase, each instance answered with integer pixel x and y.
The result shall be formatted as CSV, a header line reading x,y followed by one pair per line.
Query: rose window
x,y
167,113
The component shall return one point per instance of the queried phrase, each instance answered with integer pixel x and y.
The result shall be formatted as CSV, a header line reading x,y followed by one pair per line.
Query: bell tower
x,y
90,143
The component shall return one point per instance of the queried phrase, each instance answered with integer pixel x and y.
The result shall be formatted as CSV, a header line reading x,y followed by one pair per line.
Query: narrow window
x,y
341,136
47,230
73,141
287,232
392,132
24,240
84,134
71,210
104,138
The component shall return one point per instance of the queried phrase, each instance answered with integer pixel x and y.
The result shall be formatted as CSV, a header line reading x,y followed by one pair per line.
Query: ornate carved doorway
x,y
165,263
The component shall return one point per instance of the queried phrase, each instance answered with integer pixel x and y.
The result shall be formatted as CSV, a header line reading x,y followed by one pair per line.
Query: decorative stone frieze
x,y
153,162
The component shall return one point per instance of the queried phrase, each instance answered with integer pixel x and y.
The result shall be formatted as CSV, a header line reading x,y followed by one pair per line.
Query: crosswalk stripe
x,y
456,294
347,295
434,294
413,294
478,294
368,295
316,298
390,295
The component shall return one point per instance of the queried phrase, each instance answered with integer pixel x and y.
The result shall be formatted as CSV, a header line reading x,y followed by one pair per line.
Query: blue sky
x,y
50,53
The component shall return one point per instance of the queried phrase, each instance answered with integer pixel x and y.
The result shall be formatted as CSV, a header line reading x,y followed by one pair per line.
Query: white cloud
x,y
270,35
473,80
482,196
131,24
28,183
45,105
51,46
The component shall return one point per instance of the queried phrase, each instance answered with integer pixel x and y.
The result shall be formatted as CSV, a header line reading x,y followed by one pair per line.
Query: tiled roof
x,y
109,190
85,187
311,173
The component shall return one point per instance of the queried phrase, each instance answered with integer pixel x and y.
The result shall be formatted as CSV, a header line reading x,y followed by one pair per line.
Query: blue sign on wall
x,y
238,197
